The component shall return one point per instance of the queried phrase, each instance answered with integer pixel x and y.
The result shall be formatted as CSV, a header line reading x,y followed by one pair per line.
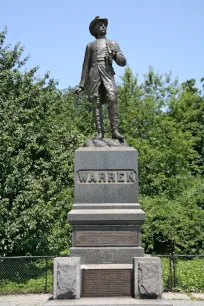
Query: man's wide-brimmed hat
x,y
95,21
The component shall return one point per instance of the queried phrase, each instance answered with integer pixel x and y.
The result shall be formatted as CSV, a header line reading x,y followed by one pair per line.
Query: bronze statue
x,y
98,76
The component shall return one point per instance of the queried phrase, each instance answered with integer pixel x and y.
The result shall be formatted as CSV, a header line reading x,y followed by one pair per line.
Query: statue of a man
x,y
98,76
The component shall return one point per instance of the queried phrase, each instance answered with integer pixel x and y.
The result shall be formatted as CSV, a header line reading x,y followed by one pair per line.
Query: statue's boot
x,y
113,116
98,118
116,135
114,127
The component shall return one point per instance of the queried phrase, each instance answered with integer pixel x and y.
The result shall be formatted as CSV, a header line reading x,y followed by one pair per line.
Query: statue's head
x,y
98,26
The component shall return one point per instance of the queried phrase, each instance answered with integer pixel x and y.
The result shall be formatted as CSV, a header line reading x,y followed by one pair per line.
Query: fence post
x,y
46,268
174,271
170,272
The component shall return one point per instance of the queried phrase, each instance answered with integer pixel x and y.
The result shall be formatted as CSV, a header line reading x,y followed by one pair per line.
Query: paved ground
x,y
187,303
24,299
175,296
199,296
177,299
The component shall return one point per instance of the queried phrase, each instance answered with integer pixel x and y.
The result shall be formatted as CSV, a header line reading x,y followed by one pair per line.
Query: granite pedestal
x,y
106,219
106,216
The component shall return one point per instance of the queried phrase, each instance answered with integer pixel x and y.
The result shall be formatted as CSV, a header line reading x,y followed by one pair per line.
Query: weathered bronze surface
x,y
106,282
106,238
98,76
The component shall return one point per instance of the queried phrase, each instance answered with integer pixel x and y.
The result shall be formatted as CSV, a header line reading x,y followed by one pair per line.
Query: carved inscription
x,y
106,282
106,238
106,177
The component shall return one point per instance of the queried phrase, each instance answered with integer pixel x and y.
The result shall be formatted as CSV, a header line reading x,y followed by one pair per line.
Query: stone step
x,y
107,206
106,216
105,255
108,301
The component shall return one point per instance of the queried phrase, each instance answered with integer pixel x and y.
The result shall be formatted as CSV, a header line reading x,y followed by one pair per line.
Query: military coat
x,y
97,71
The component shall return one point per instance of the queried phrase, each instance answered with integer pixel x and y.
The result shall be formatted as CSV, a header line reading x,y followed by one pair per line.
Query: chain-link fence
x,y
26,274
183,272
188,272
34,274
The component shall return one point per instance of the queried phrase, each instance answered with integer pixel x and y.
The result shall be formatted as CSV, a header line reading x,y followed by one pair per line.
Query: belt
x,y
99,61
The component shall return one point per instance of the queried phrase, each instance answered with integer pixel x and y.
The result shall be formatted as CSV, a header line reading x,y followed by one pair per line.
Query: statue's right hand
x,y
78,90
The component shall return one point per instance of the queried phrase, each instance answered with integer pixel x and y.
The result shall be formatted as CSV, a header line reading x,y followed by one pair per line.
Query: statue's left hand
x,y
113,50
78,90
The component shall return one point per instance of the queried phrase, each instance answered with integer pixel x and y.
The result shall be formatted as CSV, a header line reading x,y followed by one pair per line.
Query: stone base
x,y
110,301
104,255
66,278
115,164
106,216
147,277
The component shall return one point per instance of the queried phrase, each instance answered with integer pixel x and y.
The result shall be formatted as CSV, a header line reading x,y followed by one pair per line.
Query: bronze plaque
x,y
106,238
106,282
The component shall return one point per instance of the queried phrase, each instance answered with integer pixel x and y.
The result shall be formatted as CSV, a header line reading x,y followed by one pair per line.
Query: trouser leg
x,y
98,117
113,115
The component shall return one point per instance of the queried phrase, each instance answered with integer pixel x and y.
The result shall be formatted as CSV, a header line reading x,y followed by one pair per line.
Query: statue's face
x,y
100,28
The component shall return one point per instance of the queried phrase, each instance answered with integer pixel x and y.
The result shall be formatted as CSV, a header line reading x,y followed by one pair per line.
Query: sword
x,y
109,49
109,53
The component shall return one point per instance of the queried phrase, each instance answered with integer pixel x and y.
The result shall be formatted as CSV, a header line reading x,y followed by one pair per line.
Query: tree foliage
x,y
164,121
36,158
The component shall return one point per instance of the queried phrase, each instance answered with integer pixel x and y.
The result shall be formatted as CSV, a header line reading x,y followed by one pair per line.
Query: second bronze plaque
x,y
106,238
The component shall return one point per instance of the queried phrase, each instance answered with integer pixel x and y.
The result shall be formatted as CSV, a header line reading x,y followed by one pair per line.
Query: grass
x,y
189,274
166,274
36,285
25,275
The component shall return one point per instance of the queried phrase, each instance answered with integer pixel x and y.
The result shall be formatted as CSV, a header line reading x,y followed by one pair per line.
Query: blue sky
x,y
167,35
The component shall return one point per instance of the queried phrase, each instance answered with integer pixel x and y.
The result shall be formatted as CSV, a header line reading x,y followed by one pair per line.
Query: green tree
x,y
36,159
188,110
173,225
168,162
